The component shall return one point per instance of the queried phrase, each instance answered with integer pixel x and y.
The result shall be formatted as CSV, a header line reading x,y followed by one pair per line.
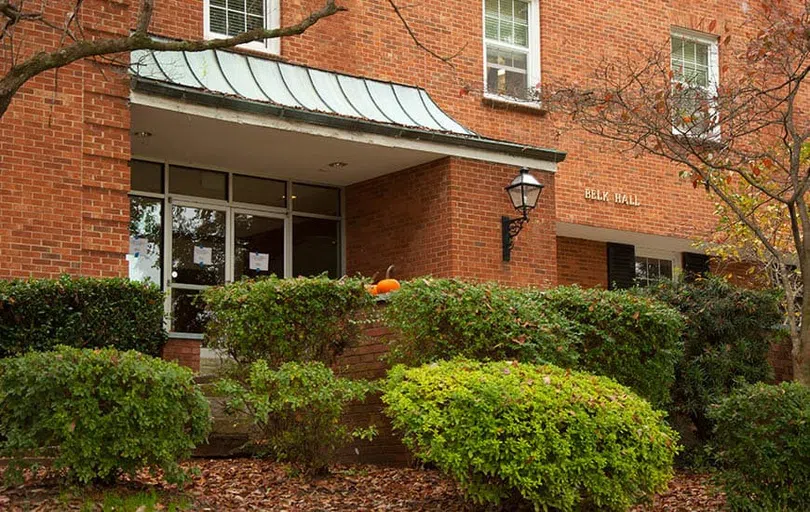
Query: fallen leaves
x,y
250,484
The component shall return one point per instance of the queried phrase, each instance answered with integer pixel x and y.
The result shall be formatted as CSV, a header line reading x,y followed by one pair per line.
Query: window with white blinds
x,y
511,48
227,18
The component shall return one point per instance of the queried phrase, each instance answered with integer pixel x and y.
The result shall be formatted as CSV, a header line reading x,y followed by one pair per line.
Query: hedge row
x,y
39,314
632,339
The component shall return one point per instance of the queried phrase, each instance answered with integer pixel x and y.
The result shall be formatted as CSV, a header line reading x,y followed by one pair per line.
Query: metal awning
x,y
246,83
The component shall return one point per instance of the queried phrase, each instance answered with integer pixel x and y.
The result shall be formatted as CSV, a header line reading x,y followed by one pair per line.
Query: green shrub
x,y
280,320
296,411
726,341
83,312
443,318
105,411
631,339
634,340
762,445
512,433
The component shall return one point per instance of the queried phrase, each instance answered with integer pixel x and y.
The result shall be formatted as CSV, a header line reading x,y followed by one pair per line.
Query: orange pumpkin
x,y
372,289
388,285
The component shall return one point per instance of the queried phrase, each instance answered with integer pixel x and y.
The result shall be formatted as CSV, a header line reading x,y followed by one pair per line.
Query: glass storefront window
x,y
197,182
247,189
316,199
145,254
258,246
316,247
198,246
210,239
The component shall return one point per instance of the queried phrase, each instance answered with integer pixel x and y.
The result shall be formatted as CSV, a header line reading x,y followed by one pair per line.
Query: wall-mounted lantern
x,y
523,192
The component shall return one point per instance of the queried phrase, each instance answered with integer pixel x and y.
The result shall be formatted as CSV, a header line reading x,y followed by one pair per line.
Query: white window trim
x,y
272,18
532,60
712,41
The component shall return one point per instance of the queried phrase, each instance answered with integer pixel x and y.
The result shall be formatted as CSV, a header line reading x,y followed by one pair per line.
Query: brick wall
x,y
582,262
443,219
364,361
184,352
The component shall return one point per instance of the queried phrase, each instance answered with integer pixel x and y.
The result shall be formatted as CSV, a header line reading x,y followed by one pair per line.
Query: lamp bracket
x,y
509,230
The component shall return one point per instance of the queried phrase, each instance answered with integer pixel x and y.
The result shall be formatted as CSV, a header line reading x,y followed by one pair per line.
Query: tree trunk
x,y
801,346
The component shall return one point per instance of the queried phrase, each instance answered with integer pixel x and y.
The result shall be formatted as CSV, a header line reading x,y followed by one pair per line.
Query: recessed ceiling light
x,y
143,134
338,165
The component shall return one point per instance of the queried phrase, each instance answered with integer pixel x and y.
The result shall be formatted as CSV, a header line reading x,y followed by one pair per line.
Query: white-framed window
x,y
192,228
227,18
695,77
653,265
511,49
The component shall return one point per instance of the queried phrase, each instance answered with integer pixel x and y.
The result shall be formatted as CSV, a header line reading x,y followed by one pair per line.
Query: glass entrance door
x,y
198,259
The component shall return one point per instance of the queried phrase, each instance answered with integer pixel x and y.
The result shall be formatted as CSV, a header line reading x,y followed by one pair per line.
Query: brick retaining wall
x,y
184,352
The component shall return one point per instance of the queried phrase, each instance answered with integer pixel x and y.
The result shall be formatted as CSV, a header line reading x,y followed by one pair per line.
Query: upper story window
x,y
695,76
227,18
512,48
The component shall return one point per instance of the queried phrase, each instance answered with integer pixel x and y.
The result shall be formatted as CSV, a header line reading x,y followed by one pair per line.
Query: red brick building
x,y
344,150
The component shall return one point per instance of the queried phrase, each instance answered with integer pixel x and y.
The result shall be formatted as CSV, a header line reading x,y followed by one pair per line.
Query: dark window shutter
x,y
694,265
621,266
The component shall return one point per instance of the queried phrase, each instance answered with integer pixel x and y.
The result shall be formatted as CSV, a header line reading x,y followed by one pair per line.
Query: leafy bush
x,y
296,411
511,433
443,318
726,341
83,312
106,411
762,444
632,339
279,320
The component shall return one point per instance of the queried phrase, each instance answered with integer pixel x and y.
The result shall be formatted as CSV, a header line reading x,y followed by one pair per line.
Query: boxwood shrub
x,y
83,312
513,433
280,320
105,411
762,445
728,333
632,339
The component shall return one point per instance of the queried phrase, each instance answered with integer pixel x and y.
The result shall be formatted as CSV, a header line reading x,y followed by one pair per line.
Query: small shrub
x,y
444,318
512,433
279,320
634,340
762,445
105,411
82,312
296,411
726,341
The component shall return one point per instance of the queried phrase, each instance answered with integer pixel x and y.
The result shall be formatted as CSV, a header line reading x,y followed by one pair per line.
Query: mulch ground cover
x,y
245,484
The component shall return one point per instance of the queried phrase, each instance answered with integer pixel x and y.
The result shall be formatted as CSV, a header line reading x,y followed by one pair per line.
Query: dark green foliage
x,y
443,318
632,339
762,445
279,320
39,314
513,433
107,412
296,411
726,340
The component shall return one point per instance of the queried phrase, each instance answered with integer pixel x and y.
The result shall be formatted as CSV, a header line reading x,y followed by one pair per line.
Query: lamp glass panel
x,y
516,196
532,194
